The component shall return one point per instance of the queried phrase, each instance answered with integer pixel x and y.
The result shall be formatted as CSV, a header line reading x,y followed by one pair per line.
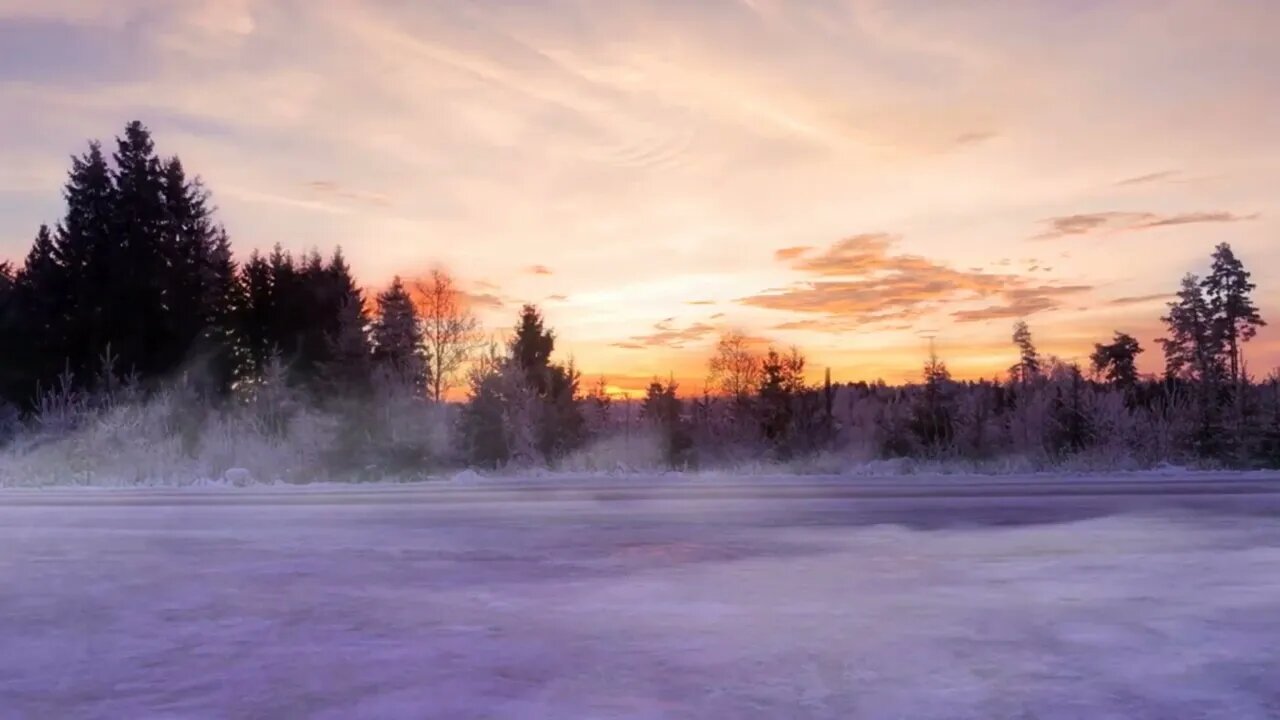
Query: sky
x,y
852,177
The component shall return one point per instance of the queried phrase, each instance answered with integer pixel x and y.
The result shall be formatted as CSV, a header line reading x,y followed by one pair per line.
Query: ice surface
x,y
578,610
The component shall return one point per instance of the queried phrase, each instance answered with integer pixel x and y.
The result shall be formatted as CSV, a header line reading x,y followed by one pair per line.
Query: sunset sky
x,y
848,176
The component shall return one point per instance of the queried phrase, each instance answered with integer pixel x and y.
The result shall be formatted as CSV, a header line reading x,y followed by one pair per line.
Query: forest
x,y
136,348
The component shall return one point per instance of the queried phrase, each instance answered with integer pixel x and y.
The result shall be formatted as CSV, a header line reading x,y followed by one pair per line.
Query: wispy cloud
x,y
1022,302
333,190
1148,178
538,270
484,300
1140,299
1113,221
974,137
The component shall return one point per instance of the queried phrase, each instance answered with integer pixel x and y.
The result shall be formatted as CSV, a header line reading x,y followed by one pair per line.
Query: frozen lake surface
x,y
586,603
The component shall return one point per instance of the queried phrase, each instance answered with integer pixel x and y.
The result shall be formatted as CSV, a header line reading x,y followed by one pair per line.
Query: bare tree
x,y
735,368
449,330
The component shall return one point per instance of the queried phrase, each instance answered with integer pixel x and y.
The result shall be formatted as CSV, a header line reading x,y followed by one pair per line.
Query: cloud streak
x,y
1118,222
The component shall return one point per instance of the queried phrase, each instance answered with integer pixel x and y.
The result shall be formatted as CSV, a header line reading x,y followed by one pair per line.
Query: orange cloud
x,y
791,253
667,336
878,285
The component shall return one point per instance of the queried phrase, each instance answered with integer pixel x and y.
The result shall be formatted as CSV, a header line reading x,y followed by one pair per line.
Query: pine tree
x,y
253,320
781,383
6,283
288,306
1028,367
1234,317
138,313
41,292
84,255
345,361
201,287
663,409
10,367
531,347
397,337
561,427
1117,361
1193,349
223,297
933,418
1193,352
483,422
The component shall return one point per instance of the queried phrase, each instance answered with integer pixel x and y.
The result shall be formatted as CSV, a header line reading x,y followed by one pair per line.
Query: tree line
x,y
136,287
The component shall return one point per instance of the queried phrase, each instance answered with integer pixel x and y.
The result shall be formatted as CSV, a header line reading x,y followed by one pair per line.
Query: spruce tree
x,y
397,337
222,297
10,368
287,305
531,347
138,313
342,323
253,320
85,257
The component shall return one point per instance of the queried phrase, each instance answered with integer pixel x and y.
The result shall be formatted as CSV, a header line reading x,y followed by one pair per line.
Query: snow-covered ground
x,y
764,608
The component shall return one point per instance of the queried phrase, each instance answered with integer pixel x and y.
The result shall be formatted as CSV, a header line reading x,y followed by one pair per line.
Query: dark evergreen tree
x,y
1234,317
933,417
223,297
561,426
85,255
1193,349
531,347
1117,361
483,422
341,323
36,339
138,317
1028,367
254,320
397,338
286,307
1193,353
201,287
781,384
1070,431
10,368
346,366
663,410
